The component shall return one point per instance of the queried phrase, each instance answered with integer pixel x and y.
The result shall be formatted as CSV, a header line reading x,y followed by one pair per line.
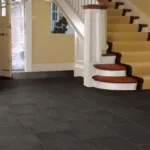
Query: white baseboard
x,y
5,73
78,70
52,67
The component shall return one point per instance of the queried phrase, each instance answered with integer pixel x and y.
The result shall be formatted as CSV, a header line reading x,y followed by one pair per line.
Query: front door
x,y
5,39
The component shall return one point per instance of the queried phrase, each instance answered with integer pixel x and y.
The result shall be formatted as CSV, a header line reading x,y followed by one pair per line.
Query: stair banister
x,y
95,37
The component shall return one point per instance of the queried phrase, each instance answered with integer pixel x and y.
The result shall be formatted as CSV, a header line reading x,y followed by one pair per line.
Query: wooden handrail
x,y
102,5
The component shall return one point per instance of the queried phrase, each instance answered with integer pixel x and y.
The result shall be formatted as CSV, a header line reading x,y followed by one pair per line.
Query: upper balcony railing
x,y
77,5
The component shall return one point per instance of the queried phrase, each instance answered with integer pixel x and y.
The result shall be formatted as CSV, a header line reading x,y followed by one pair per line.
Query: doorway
x,y
18,35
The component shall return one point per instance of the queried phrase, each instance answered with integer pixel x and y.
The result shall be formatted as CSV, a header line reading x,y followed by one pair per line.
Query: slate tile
x,y
112,143
16,136
26,147
86,129
66,113
145,147
50,102
105,117
37,123
40,123
141,119
145,109
63,140
9,119
26,109
14,131
7,141
82,105
133,133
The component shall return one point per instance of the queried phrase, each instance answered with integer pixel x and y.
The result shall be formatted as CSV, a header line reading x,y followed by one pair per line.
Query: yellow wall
x,y
144,5
49,48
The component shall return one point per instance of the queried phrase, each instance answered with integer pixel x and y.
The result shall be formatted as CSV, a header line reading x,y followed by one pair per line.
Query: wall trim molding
x,y
28,35
53,67
78,70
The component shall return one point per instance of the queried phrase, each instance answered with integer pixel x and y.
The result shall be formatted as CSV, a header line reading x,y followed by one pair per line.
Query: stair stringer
x,y
144,19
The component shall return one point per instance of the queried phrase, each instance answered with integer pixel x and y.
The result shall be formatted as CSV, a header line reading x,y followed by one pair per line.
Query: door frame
x,y
28,35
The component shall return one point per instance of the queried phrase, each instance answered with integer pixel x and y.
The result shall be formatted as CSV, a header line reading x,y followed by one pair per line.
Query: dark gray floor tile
x,y
132,100
105,117
26,109
8,141
63,141
37,123
112,143
146,147
66,113
57,105
64,95
49,102
26,147
86,129
27,139
14,131
132,132
9,119
2,101
4,110
18,99
141,119
82,105
61,125
16,136
40,123
145,109
123,110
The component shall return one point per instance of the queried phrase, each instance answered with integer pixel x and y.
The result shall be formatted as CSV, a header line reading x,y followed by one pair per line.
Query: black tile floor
x,y
61,114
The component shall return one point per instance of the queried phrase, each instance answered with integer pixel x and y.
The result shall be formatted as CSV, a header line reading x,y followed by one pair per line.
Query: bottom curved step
x,y
115,83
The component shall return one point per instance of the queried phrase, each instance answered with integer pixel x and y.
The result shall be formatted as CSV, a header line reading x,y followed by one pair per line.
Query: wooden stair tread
x,y
125,79
120,3
111,67
136,17
127,10
144,25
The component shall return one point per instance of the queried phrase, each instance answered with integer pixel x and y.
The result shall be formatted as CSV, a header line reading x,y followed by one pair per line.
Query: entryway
x,y
18,35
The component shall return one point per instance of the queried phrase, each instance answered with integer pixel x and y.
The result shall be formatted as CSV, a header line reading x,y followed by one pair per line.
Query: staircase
x,y
129,45
132,49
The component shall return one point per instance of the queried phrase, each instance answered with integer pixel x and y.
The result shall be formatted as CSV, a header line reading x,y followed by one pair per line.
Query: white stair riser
x,y
108,60
136,21
145,29
128,13
110,73
121,7
115,86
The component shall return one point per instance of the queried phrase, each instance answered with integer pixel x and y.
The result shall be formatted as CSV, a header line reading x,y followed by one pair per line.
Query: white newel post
x,y
95,39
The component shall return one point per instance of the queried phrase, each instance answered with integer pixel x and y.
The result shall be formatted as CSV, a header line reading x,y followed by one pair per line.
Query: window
x,y
3,8
59,23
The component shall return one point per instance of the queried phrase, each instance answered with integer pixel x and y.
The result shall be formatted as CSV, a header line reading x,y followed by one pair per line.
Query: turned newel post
x,y
95,38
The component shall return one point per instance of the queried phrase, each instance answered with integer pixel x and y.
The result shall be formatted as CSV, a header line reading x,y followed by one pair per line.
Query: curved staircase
x,y
131,46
